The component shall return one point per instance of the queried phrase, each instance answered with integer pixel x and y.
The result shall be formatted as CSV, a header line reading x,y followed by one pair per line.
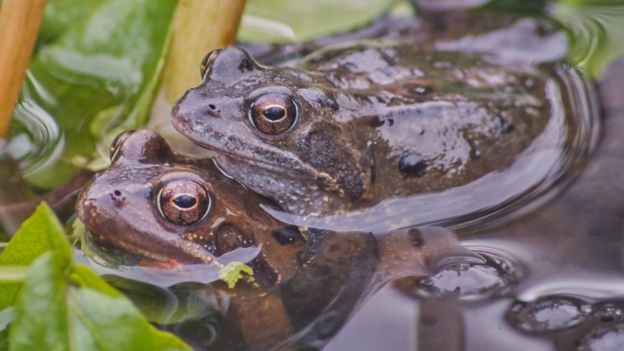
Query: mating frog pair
x,y
347,128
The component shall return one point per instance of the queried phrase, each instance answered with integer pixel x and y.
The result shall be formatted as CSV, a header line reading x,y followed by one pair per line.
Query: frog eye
x,y
115,148
183,202
273,113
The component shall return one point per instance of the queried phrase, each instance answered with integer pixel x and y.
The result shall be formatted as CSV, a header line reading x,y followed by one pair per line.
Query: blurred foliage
x,y
284,21
95,73
595,31
40,233
62,305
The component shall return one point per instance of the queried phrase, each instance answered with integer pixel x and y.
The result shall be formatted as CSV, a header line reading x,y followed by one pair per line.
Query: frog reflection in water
x,y
171,210
361,123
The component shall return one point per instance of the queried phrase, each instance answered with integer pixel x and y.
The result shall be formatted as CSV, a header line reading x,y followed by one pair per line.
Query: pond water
x,y
557,283
548,235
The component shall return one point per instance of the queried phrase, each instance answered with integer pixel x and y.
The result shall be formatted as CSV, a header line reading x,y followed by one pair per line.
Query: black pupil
x,y
274,113
185,201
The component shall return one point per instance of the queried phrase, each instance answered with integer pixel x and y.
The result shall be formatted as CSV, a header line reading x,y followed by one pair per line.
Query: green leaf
x,y
287,21
6,317
595,31
39,233
53,314
40,321
233,272
83,275
96,75
155,302
60,14
115,324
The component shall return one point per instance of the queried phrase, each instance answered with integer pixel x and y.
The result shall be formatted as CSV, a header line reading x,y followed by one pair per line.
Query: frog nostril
x,y
212,110
117,198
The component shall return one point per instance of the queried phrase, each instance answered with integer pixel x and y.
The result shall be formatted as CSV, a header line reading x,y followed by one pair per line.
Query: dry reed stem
x,y
200,26
19,26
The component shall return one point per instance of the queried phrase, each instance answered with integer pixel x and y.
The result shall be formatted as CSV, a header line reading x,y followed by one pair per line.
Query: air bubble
x,y
472,279
608,312
550,313
604,339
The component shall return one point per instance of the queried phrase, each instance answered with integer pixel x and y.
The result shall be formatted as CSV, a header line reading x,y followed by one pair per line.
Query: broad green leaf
x,y
155,302
39,233
595,30
53,314
40,321
96,75
115,324
6,317
84,276
60,14
152,301
287,21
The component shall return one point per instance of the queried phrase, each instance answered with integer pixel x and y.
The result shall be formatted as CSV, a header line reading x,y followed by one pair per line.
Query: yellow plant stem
x,y
19,26
200,26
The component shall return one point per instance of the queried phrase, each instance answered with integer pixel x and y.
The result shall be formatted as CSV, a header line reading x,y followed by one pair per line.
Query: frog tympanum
x,y
171,210
356,124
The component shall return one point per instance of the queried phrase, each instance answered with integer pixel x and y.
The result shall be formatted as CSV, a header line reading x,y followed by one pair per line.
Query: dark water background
x,y
567,257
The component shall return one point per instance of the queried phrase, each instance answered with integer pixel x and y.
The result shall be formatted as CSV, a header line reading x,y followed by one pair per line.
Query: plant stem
x,y
200,26
19,26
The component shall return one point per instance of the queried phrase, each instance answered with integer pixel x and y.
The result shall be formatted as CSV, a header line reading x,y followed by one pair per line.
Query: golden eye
x,y
273,113
183,202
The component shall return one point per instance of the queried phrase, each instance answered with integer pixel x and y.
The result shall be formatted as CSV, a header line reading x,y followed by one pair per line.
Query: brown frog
x,y
171,211
357,124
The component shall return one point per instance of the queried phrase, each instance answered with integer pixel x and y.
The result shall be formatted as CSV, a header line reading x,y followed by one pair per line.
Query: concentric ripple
x,y
494,274
37,141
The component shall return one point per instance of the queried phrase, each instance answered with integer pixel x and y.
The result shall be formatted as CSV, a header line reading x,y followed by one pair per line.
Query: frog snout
x,y
185,112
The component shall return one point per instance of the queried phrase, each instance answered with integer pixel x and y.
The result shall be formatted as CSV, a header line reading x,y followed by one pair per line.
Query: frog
x,y
354,125
171,211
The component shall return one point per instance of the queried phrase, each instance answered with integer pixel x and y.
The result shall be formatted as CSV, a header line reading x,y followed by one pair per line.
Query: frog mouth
x,y
128,239
122,255
126,252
